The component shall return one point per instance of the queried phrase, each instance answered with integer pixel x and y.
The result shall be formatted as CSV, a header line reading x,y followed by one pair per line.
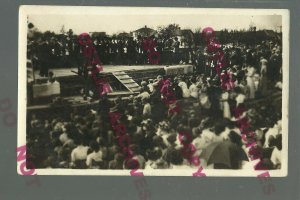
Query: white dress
x,y
250,81
185,90
225,105
194,91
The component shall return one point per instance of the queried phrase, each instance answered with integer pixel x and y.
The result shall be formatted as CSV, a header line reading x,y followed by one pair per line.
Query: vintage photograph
x,y
156,91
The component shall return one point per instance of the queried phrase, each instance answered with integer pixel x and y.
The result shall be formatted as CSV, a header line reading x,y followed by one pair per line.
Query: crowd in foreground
x,y
84,139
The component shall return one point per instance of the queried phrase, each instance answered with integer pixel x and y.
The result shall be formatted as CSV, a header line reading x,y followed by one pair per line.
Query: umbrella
x,y
226,153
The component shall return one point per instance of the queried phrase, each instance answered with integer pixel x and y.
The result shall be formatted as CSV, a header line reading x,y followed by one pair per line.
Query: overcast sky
x,y
119,23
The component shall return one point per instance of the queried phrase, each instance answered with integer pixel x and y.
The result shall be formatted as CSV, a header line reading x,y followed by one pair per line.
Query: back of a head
x,y
131,164
154,154
219,127
176,157
235,138
95,146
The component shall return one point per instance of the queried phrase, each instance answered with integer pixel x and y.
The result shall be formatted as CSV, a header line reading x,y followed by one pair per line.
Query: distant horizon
x,y
156,29
114,24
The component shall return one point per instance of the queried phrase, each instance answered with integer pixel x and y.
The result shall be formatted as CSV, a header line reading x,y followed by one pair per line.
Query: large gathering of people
x,y
64,51
48,50
85,139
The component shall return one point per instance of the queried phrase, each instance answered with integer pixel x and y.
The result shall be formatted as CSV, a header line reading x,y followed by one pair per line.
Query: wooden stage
x,y
108,69
70,81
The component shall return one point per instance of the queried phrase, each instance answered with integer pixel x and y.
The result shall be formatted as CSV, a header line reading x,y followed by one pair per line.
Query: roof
x,y
145,30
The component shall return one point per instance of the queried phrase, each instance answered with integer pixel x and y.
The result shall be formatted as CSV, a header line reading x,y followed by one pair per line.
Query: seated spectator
x,y
79,155
155,160
94,159
117,163
177,161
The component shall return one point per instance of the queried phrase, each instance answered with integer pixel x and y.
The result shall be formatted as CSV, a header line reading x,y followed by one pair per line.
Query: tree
x,y
168,31
62,30
70,33
198,37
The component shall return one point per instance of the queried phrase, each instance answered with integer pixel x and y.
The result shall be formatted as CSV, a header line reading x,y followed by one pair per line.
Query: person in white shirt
x,y
143,94
95,156
147,108
79,155
184,88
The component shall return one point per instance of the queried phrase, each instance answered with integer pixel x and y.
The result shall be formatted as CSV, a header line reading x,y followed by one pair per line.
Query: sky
x,y
119,23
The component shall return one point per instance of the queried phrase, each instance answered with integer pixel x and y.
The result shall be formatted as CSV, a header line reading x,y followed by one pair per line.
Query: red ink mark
x,y
189,150
22,156
154,57
198,172
21,153
123,138
149,46
264,178
92,59
134,172
254,153
207,34
214,46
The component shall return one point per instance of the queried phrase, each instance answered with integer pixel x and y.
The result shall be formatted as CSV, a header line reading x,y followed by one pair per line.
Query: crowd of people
x,y
63,50
84,139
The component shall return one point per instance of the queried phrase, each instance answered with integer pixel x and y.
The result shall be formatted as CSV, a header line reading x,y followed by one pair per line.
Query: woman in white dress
x,y
263,84
225,105
184,88
250,81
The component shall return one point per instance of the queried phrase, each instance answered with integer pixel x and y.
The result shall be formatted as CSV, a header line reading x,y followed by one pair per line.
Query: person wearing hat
x,y
143,94
44,56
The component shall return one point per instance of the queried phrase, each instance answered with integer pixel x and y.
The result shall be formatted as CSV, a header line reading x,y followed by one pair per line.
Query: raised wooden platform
x,y
108,69
124,81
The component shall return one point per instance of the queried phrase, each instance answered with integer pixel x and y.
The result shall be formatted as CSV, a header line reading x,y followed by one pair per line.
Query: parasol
x,y
225,153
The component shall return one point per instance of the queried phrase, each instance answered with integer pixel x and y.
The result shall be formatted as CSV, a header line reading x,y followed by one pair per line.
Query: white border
x,y
24,11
